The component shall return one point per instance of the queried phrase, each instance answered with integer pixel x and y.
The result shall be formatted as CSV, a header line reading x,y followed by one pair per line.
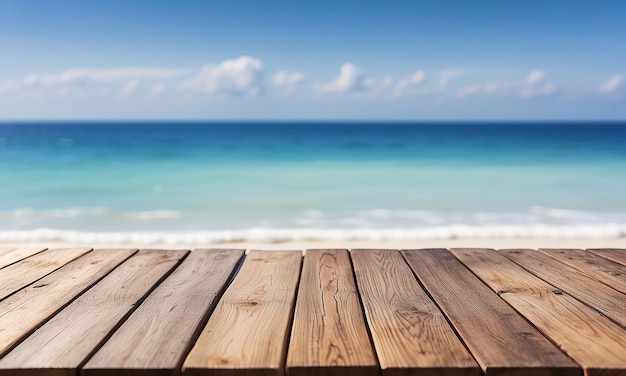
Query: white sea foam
x,y
25,213
603,231
106,225
384,218
155,214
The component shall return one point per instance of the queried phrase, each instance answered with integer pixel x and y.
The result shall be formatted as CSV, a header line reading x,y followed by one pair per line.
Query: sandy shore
x,y
382,244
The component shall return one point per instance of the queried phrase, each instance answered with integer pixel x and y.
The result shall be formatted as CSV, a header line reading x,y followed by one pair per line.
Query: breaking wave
x,y
273,235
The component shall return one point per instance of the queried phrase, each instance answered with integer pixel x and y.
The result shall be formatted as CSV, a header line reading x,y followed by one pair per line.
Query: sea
x,y
274,181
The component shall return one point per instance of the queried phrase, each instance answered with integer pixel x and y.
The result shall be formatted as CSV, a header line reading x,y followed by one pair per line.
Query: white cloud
x,y
410,85
240,76
611,85
490,88
353,82
350,79
534,77
129,88
446,75
82,76
374,87
286,82
533,86
157,89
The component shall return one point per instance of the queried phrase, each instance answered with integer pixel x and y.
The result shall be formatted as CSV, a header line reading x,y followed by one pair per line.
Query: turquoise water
x,y
171,182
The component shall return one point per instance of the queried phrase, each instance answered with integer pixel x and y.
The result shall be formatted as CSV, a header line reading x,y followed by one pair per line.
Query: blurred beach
x,y
495,243
298,185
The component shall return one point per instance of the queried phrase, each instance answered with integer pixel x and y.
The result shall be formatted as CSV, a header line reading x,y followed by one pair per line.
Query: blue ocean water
x,y
277,181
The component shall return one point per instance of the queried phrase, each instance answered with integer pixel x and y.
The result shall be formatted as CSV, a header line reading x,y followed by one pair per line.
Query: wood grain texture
x,y
248,331
609,301
500,339
29,308
410,334
329,335
617,255
17,276
595,342
158,335
63,343
604,270
14,255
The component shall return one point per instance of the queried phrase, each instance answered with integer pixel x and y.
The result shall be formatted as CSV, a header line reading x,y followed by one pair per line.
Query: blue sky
x,y
312,60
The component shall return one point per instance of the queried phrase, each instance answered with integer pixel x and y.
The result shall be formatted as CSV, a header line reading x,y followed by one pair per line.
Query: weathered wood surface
x,y
593,341
411,335
602,269
596,294
24,311
617,255
500,340
63,343
22,274
367,312
158,335
329,335
9,256
248,331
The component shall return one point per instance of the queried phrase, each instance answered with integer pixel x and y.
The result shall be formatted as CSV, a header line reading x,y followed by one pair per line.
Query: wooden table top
x,y
323,312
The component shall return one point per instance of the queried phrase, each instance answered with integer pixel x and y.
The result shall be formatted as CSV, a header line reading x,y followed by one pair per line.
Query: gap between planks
x,y
410,334
247,334
160,333
497,336
63,343
29,308
328,334
595,342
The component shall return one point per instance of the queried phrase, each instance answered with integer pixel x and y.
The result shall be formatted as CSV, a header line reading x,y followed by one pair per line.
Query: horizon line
x,y
296,120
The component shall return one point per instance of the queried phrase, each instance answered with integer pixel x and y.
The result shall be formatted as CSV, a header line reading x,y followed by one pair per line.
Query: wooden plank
x,y
499,338
329,335
410,334
158,335
25,311
247,333
595,342
4,251
604,270
14,255
617,255
63,343
17,276
610,302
